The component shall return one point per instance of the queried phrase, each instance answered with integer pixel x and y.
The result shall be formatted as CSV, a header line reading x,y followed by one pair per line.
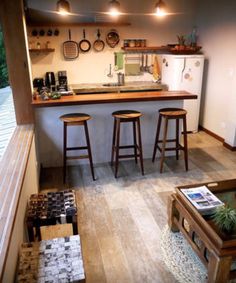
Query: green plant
x,y
3,65
181,39
225,218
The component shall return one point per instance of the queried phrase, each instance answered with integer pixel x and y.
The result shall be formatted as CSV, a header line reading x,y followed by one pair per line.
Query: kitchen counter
x,y
102,98
50,129
113,87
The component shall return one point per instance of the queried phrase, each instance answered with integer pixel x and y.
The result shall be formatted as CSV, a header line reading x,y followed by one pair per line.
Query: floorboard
x,y
120,220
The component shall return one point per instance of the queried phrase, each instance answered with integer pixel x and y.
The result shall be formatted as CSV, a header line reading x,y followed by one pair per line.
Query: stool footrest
x,y
77,148
128,155
180,147
127,146
77,157
170,140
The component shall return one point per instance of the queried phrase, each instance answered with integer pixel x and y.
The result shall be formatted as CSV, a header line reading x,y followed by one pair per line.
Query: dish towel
x,y
156,70
119,60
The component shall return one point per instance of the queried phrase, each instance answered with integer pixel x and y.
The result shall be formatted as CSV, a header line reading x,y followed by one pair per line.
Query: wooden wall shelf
x,y
146,49
42,50
86,24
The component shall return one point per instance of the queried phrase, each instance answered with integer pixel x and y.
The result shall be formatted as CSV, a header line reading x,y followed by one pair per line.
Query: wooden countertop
x,y
114,98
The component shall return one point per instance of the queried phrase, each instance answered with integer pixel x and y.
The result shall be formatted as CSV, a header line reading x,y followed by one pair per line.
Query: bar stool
x,y
76,119
124,116
171,114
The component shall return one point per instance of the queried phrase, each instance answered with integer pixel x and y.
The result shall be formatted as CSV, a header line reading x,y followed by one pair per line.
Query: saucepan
x,y
98,44
84,44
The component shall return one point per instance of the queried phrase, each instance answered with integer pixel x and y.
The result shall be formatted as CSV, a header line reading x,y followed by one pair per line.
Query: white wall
x,y
217,25
93,67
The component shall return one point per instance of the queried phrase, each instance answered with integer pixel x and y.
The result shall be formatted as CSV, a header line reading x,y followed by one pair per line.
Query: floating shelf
x,y
86,24
42,50
146,49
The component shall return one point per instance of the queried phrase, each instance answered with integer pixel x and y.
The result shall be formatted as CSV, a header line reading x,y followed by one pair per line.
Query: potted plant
x,y
225,219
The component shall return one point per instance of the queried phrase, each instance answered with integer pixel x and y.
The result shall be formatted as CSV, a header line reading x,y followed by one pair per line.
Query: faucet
x,y
110,75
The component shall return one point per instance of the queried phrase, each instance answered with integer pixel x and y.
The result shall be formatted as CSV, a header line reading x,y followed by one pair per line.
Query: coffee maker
x,y
62,81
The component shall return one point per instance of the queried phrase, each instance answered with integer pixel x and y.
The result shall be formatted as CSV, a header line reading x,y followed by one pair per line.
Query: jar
x,y
132,43
126,42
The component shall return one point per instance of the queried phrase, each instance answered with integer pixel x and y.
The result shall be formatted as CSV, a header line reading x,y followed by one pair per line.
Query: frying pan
x,y
70,49
84,44
112,38
98,44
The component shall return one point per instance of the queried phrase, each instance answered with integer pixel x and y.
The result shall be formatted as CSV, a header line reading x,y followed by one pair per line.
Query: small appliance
x,y
50,81
62,81
38,83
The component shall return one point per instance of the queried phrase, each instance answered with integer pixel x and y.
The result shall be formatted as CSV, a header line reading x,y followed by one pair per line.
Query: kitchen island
x,y
49,128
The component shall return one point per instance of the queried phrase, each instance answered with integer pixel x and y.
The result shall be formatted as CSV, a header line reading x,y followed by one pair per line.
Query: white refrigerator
x,y
184,72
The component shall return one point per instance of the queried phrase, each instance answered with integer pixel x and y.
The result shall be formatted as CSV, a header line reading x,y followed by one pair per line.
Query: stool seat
x,y
75,117
123,116
126,114
167,114
172,112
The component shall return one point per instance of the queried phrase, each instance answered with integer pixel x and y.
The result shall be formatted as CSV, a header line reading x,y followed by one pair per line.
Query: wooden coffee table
x,y
216,249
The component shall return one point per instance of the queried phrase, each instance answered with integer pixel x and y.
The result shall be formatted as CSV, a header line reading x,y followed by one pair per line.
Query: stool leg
x,y
140,146
135,142
89,148
113,142
177,139
164,144
64,151
157,138
117,146
185,143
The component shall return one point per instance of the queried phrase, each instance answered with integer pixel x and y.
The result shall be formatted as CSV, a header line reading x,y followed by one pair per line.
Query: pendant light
x,y
114,8
160,8
63,7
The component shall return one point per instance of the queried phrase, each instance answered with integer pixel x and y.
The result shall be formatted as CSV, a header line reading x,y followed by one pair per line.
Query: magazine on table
x,y
203,199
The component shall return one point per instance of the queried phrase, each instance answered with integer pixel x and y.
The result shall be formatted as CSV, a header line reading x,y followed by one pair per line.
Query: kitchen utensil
x,y
146,63
121,78
98,44
110,73
56,32
42,32
70,49
142,63
112,38
156,69
132,69
84,44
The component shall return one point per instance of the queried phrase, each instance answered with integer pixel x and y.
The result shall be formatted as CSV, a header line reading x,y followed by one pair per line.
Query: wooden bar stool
x,y
76,119
124,116
170,114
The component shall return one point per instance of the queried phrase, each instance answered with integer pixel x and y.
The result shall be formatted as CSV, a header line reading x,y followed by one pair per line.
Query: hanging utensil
x,y
98,44
84,44
142,63
70,49
146,63
112,38
151,67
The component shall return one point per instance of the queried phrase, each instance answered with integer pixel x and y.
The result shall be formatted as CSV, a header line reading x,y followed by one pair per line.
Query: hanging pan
x,y
112,38
70,49
84,44
98,44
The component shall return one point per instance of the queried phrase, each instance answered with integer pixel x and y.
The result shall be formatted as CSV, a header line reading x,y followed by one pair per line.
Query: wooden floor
x,y
7,118
120,221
